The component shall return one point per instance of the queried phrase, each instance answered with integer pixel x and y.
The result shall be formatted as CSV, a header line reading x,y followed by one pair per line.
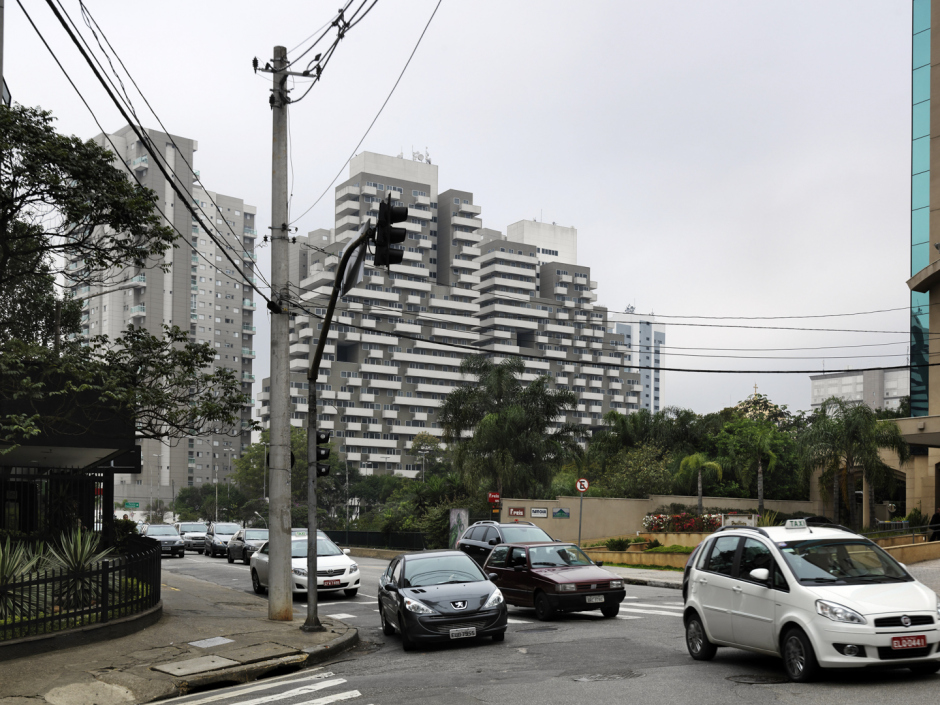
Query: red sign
x,y
517,511
492,497
582,485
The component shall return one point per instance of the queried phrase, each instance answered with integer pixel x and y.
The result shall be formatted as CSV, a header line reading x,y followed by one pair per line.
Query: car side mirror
x,y
518,568
391,587
493,542
599,564
346,551
493,577
761,575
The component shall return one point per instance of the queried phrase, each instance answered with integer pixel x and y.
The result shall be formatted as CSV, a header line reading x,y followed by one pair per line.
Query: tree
x,y
693,466
432,455
62,198
845,438
746,443
501,431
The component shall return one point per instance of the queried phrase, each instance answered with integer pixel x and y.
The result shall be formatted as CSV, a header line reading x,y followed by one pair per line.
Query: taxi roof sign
x,y
796,524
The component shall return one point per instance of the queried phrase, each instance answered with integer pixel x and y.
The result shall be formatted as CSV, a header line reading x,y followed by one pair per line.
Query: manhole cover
x,y
758,680
540,629
597,677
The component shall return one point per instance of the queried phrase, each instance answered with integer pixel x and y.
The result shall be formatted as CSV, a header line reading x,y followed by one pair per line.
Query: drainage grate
x,y
758,680
597,677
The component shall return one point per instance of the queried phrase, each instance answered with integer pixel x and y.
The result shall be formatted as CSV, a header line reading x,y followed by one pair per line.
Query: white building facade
x,y
879,389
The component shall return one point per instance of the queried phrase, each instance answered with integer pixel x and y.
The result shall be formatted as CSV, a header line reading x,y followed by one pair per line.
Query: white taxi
x,y
335,569
818,596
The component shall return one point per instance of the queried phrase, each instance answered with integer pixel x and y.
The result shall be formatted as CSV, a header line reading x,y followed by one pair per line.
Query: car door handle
x,y
736,588
703,581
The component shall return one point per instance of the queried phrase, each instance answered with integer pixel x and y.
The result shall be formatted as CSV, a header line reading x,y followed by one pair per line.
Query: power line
x,y
185,198
775,318
89,18
371,124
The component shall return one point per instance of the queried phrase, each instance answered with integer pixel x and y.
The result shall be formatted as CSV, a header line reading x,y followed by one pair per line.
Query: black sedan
x,y
439,596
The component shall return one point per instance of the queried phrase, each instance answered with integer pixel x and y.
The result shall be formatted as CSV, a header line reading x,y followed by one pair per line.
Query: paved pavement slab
x,y
260,652
192,666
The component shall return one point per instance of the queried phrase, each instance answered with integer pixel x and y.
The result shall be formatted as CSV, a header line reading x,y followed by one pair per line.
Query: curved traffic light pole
x,y
312,623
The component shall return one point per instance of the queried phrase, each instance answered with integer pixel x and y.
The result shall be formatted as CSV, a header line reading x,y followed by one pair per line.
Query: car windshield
x,y
161,531
841,561
523,534
256,535
325,547
226,528
558,555
201,528
441,570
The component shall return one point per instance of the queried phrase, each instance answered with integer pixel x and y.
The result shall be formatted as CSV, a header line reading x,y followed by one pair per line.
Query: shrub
x,y
671,549
16,561
618,544
77,553
681,522
653,544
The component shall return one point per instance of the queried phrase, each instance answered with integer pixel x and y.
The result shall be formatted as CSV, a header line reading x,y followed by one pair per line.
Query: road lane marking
x,y
341,615
302,690
622,616
348,695
655,607
518,621
256,688
668,614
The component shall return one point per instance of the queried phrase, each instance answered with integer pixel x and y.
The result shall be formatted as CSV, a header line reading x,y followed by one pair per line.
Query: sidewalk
x,y
238,645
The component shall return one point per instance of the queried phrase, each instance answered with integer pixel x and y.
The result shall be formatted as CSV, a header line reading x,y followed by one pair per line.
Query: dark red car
x,y
554,577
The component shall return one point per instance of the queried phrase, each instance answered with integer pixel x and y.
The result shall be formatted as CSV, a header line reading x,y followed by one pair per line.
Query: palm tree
x,y
501,430
846,437
694,465
750,442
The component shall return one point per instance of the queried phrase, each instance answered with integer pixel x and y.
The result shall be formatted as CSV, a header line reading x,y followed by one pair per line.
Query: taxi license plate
x,y
331,583
463,633
592,599
908,642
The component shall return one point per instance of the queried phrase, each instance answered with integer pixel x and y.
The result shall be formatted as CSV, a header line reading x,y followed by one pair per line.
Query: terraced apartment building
x,y
398,338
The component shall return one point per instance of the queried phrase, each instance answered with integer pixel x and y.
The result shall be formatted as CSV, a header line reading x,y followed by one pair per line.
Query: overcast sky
x,y
717,158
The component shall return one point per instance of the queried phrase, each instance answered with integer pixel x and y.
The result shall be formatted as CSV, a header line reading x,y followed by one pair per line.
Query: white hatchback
x,y
816,596
335,569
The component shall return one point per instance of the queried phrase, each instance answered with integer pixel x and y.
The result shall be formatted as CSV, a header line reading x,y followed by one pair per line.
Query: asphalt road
x,y
582,658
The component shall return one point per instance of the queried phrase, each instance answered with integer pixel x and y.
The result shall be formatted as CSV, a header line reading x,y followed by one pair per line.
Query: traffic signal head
x,y
386,235
323,437
323,469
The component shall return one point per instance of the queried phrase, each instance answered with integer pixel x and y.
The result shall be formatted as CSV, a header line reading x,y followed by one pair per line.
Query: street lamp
x,y
262,519
422,453
155,455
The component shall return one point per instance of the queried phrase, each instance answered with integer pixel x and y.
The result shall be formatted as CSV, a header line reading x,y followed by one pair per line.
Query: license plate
x,y
166,549
594,599
908,642
331,583
463,633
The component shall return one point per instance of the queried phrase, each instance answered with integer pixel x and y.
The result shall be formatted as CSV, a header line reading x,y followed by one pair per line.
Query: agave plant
x,y
76,555
16,561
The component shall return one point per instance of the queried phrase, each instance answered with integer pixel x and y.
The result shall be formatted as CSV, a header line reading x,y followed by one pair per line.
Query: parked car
x,y
193,533
244,543
217,537
819,597
554,577
439,596
478,540
168,536
335,569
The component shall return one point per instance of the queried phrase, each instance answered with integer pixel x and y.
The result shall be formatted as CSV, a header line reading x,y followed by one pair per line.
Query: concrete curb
x,y
653,583
247,673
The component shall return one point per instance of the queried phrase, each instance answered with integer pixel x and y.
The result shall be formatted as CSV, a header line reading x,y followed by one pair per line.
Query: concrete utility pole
x,y
280,598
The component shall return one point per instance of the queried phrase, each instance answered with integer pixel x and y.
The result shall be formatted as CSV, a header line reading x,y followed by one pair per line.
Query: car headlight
x,y
616,583
353,568
938,605
838,613
495,600
302,572
178,542
566,587
417,607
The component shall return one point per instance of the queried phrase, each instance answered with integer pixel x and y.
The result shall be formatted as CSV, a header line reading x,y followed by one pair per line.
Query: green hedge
x,y
671,549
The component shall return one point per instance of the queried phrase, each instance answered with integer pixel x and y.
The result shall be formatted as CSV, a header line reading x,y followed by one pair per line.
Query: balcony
x,y
248,329
469,209
140,164
247,377
249,256
466,222
140,310
250,232
248,352
248,303
139,279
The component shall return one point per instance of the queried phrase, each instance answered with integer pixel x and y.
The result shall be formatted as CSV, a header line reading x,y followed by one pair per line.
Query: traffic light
x,y
323,469
386,235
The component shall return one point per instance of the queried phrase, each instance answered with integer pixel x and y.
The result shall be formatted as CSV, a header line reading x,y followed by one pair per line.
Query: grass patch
x,y
644,567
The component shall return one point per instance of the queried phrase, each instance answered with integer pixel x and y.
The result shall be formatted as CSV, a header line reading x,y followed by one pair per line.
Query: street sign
x,y
517,511
492,497
582,485
131,505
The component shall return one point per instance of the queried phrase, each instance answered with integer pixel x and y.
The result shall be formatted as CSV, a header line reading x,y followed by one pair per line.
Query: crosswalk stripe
x,y
623,616
348,695
303,690
518,621
668,614
256,688
655,607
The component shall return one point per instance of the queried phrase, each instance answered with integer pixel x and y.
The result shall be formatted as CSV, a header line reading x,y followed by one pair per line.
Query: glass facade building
x,y
920,203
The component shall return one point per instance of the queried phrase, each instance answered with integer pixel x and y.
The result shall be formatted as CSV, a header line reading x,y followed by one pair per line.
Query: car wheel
x,y
256,584
387,629
228,554
925,669
499,637
351,593
181,554
406,643
246,559
543,608
799,660
700,648
610,610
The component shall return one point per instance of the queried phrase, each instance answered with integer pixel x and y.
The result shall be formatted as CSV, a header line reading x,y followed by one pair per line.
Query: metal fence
x,y
404,541
55,600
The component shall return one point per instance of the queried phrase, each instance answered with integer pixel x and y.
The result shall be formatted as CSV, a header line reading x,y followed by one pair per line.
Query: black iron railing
x,y
55,600
404,541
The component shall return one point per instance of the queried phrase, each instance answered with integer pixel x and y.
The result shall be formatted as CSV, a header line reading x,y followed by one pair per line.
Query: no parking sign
x,y
582,485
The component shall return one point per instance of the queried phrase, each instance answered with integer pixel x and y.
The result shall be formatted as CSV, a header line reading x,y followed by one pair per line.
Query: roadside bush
x,y
675,548
653,544
618,544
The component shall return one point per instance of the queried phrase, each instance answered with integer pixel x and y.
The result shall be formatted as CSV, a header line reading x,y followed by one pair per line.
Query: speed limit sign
x,y
582,485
